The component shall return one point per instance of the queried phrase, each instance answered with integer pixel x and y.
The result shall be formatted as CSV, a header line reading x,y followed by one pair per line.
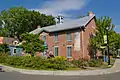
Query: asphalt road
x,y
18,76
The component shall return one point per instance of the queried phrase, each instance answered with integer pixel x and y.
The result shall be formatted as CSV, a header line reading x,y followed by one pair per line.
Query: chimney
x,y
60,18
38,26
91,13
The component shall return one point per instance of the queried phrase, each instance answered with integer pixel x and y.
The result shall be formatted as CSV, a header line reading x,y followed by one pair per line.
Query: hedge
x,y
57,63
87,63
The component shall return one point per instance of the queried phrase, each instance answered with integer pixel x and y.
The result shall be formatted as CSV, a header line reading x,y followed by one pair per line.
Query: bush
x,y
80,63
57,63
95,63
3,57
4,48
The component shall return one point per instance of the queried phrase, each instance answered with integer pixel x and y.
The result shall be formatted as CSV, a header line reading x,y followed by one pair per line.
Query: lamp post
x,y
108,46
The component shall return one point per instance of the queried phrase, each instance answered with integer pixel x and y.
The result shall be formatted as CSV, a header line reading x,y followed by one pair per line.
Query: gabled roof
x,y
8,40
82,22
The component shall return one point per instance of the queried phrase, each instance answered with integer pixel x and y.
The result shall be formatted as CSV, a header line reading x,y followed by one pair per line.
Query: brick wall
x,y
90,29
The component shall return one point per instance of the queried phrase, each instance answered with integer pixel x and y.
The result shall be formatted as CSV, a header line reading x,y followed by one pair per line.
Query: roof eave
x,y
89,20
65,29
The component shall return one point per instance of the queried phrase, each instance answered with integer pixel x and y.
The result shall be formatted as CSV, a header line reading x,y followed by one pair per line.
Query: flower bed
x,y
38,63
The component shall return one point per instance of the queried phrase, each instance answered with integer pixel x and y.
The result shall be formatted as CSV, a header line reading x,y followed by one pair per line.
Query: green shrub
x,y
95,63
57,63
3,57
85,63
4,48
80,63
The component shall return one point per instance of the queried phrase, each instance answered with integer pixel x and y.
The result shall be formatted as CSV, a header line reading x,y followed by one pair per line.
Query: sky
x,y
70,9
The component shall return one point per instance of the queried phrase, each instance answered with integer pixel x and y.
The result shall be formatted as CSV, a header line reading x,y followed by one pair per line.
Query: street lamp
x,y
108,46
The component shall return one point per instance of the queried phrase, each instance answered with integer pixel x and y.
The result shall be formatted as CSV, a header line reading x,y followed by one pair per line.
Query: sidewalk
x,y
115,68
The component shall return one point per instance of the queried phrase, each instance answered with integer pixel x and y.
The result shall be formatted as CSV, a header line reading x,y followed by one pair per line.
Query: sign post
x,y
105,39
103,48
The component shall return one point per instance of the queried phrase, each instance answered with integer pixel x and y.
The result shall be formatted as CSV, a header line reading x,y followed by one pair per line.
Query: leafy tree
x,y
19,20
32,43
4,48
104,24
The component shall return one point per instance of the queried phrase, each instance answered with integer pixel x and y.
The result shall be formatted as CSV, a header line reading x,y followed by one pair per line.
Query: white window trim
x,y
69,46
67,36
15,42
45,36
57,37
67,51
54,50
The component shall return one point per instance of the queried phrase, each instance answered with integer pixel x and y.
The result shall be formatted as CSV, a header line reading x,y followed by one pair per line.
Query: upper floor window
x,y
44,37
69,37
56,37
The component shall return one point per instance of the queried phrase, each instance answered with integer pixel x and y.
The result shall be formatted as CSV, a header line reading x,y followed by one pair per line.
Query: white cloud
x,y
55,7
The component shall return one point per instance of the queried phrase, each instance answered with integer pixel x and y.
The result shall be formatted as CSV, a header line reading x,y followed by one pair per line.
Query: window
x,y
44,37
14,51
56,37
56,50
15,43
69,51
69,37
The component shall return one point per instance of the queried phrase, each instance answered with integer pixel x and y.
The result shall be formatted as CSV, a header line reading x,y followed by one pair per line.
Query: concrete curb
x,y
62,73
114,69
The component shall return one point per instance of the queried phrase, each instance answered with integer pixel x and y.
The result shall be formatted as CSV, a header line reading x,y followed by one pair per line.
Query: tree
x,y
4,48
102,24
19,20
32,43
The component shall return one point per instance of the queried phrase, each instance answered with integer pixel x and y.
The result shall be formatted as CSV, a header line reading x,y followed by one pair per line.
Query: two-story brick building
x,y
69,39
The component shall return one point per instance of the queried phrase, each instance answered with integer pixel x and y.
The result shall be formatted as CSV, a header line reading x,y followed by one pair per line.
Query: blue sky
x,y
70,8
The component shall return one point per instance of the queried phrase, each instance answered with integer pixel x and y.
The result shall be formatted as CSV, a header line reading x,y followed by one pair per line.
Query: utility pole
x,y
108,50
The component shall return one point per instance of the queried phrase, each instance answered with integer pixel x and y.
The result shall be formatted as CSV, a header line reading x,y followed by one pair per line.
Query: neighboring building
x,y
69,39
15,49
6,40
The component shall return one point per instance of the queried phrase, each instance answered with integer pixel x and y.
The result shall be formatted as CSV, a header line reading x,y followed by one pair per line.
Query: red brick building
x,y
69,39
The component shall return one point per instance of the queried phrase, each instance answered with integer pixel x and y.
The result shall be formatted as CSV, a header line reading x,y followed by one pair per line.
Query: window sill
x,y
56,41
69,40
69,57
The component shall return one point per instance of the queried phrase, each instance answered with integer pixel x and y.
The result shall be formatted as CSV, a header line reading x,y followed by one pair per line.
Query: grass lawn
x,y
105,65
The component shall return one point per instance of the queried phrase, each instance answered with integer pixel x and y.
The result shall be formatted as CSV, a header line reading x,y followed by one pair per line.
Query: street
x,y
18,76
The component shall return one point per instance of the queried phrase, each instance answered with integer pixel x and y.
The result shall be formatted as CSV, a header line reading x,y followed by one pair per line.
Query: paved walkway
x,y
115,68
